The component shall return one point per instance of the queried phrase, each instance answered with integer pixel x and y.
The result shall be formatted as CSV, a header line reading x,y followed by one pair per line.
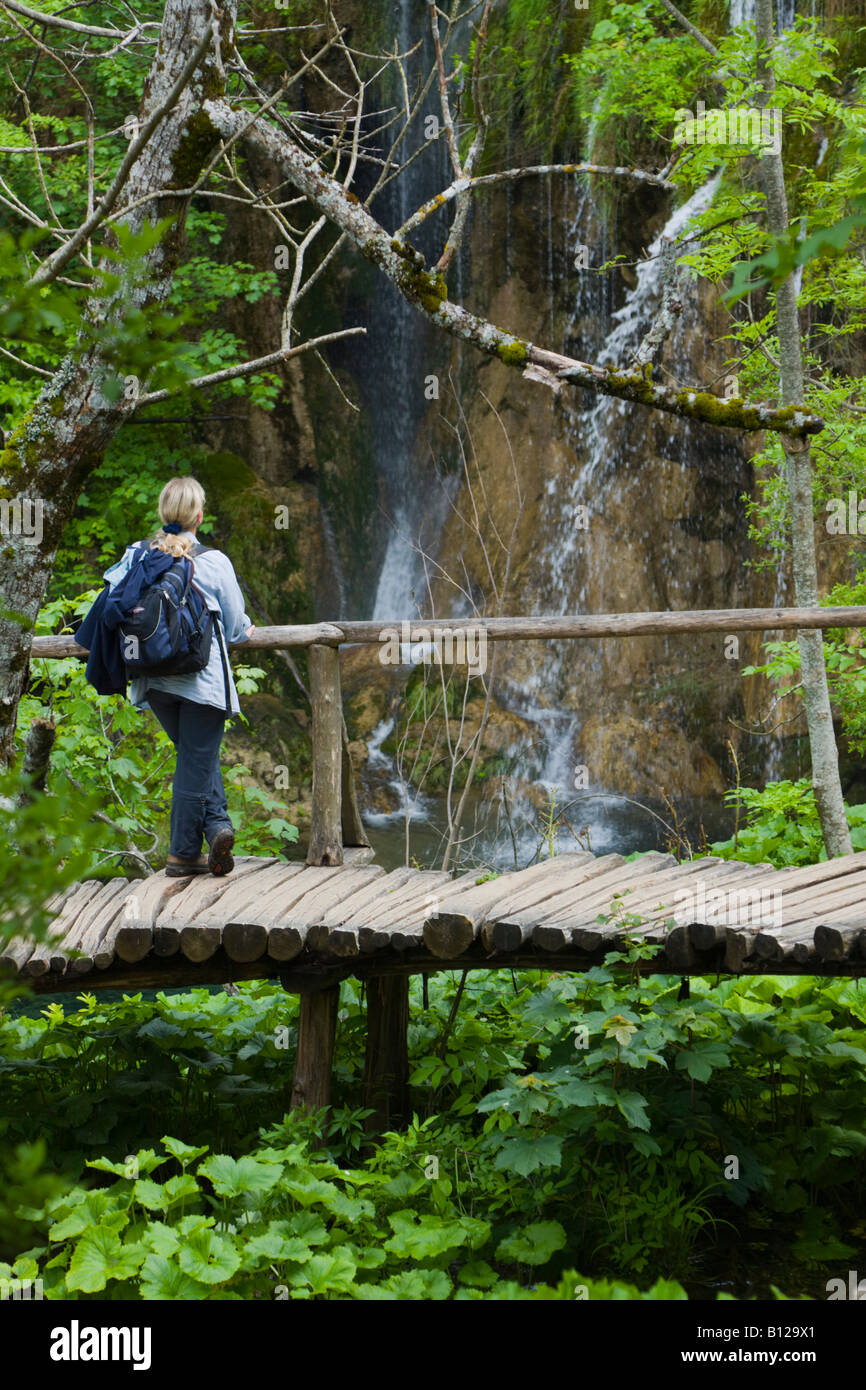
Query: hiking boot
x,y
184,868
220,860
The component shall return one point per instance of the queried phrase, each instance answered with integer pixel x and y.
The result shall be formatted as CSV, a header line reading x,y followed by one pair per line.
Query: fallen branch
x,y
405,267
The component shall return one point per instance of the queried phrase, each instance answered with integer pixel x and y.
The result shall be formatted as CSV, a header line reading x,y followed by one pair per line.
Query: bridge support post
x,y
326,840
317,1030
386,1062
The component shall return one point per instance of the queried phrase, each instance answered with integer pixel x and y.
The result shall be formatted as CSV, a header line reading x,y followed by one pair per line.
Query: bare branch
x,y
21,363
447,119
690,28
258,364
57,22
468,185
49,269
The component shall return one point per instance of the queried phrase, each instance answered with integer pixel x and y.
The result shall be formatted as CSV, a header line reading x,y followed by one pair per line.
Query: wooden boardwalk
x,y
312,926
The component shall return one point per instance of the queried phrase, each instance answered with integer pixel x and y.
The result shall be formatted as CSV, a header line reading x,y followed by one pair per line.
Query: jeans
x,y
198,803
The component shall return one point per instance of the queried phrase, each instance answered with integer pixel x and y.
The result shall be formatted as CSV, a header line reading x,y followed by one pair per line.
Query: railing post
x,y
326,839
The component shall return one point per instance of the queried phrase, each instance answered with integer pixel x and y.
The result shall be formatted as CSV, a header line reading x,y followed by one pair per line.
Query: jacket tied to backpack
x,y
155,622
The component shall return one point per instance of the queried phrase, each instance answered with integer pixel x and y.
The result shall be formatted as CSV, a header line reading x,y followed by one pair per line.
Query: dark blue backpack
x,y
170,630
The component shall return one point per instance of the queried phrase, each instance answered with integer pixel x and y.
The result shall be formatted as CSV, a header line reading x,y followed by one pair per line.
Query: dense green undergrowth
x,y
573,1136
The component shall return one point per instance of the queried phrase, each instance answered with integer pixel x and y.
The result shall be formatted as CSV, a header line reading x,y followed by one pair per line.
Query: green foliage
x,y
843,657
48,846
530,1156
124,759
782,826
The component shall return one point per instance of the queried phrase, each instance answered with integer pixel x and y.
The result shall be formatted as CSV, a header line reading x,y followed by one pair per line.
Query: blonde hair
x,y
180,501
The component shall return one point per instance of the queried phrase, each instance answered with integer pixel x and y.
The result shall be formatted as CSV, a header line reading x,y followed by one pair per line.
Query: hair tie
x,y
173,528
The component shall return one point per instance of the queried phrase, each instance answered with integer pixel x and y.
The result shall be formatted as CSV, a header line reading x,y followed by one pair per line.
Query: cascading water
x,y
398,349
613,443
573,566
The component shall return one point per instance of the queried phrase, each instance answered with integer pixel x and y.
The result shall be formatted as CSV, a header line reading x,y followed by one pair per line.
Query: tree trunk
x,y
816,695
49,457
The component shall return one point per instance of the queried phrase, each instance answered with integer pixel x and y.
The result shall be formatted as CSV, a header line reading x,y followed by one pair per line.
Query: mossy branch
x,y
405,267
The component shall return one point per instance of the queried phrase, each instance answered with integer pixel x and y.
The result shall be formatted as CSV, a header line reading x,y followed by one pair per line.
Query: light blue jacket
x,y
215,576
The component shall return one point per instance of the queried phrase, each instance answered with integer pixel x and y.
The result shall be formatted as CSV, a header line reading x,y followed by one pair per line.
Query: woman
x,y
192,708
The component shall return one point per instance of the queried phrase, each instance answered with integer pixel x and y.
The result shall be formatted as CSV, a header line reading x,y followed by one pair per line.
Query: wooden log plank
x,y
96,940
451,930
645,898
531,628
779,944
513,921
354,909
553,933
317,1029
639,884
47,955
833,900
76,939
708,934
839,940
660,905
688,942
370,930
202,937
247,912
739,947
134,931
19,950
408,933
793,877
683,890
287,932
544,897
202,903
256,901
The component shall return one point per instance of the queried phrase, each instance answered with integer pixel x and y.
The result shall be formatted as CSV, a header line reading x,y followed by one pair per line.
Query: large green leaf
x,y
423,1237
98,1257
162,1280
233,1176
533,1244
330,1273
209,1257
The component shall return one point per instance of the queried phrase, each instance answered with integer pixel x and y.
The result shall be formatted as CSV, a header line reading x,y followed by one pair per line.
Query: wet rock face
x,y
604,507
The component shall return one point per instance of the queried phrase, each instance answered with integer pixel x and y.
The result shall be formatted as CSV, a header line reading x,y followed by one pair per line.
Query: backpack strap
x,y
217,622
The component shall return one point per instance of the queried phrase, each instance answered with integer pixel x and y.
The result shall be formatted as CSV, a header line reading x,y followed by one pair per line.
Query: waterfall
x,y
399,350
573,566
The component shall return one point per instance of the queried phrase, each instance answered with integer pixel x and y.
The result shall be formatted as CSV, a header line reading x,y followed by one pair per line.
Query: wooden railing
x,y
335,820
